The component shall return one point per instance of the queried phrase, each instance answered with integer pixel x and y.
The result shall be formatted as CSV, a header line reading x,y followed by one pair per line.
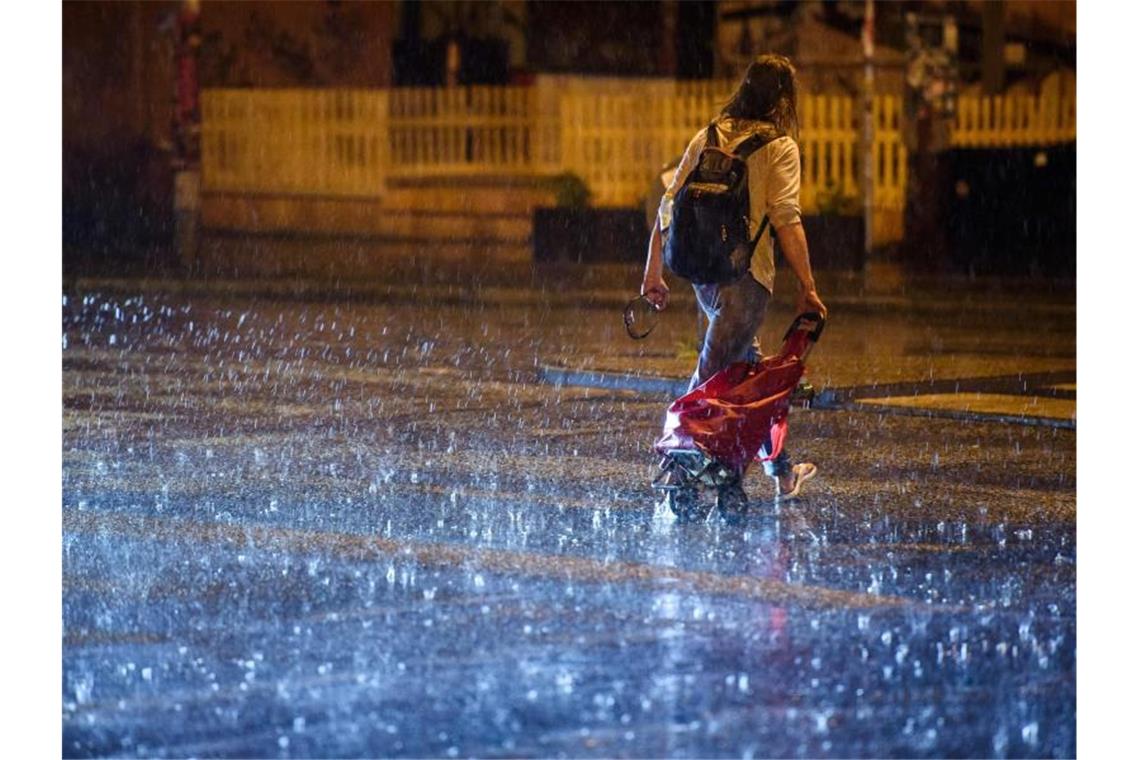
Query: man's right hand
x,y
655,291
809,301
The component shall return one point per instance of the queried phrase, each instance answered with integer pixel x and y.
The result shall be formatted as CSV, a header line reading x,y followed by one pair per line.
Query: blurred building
x,y
117,56
276,43
1023,41
119,97
119,90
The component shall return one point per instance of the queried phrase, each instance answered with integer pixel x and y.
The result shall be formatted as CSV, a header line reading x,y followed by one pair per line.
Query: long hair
x,y
767,93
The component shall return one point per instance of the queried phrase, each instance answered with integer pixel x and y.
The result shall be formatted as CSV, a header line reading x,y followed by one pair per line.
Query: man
x,y
766,97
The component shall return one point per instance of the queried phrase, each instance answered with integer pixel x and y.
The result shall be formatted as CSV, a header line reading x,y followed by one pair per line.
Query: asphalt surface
x,y
301,524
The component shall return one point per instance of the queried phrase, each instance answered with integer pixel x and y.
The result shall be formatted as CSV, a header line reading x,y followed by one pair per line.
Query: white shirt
x,y
773,187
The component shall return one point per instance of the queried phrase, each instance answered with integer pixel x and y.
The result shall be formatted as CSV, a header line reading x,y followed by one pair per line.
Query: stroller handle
x,y
808,318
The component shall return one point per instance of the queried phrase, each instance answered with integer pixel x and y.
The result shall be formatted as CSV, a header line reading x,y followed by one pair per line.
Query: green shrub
x,y
832,201
570,191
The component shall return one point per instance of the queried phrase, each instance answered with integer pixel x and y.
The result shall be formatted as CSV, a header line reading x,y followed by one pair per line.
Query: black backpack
x,y
708,238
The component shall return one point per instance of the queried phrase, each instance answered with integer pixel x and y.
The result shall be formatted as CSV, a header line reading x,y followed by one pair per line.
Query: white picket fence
x,y
448,131
349,143
295,142
1015,120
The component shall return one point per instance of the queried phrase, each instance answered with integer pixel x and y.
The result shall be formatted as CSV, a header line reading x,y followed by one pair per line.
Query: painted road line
x,y
1037,399
985,403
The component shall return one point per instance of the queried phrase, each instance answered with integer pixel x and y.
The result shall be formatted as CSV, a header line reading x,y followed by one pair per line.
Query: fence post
x,y
868,151
547,126
381,149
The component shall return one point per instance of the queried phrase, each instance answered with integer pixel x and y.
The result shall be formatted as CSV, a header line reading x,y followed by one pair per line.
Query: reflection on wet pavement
x,y
310,529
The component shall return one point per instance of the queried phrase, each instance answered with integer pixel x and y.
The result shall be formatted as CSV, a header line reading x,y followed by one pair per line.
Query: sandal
x,y
803,472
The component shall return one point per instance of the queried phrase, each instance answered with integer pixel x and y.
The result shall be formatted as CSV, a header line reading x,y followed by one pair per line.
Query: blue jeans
x,y
735,312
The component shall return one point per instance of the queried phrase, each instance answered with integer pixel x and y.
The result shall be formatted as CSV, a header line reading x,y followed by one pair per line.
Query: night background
x,y
356,451
133,75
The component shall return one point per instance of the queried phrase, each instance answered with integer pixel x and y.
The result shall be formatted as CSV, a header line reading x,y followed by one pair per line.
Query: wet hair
x,y
767,93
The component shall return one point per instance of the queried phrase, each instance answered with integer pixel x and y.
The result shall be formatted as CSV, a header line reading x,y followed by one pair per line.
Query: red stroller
x,y
714,431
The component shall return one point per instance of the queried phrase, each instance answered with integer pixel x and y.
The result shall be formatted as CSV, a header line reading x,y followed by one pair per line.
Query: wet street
x,y
311,526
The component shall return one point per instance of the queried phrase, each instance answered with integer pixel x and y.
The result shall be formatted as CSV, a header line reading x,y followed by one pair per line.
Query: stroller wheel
x,y
684,503
732,501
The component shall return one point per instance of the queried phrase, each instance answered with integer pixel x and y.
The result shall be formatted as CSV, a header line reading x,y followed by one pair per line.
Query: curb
x,y
528,294
826,399
952,414
614,381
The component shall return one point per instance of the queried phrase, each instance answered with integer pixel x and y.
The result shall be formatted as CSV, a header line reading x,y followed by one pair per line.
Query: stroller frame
x,y
683,472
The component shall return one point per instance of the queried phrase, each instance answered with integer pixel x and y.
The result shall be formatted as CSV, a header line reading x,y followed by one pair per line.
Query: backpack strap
x,y
711,140
759,232
757,141
745,149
